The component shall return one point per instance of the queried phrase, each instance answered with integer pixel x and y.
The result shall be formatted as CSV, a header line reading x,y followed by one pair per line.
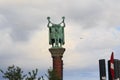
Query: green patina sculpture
x,y
56,33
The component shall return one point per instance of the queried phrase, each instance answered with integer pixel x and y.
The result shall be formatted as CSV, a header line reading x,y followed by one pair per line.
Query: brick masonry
x,y
57,54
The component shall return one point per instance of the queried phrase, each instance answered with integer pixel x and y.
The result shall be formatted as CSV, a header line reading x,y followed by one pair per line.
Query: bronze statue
x,y
56,33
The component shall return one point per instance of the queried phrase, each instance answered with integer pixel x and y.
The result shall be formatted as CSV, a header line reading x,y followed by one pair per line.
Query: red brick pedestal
x,y
57,54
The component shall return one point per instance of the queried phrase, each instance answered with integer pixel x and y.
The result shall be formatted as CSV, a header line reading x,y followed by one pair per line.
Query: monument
x,y
56,39
102,69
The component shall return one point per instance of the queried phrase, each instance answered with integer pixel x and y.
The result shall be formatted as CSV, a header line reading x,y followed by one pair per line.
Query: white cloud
x,y
91,32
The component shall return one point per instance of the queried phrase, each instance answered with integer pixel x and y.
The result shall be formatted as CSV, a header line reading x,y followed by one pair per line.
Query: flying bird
x,y
81,38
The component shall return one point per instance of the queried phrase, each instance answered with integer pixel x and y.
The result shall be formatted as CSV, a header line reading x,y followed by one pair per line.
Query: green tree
x,y
32,75
15,73
52,75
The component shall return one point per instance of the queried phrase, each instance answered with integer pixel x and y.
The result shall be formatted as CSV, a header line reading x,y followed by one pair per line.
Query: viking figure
x,y
56,33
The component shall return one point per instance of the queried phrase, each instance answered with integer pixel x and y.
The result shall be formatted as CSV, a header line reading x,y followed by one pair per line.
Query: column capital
x,y
57,52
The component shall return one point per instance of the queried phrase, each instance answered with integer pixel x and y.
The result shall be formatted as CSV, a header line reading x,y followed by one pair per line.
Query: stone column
x,y
57,54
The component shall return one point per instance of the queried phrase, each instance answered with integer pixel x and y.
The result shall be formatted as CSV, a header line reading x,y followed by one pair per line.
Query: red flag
x,y
112,65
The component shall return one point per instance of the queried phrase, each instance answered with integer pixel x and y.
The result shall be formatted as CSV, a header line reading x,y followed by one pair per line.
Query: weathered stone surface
x,y
57,51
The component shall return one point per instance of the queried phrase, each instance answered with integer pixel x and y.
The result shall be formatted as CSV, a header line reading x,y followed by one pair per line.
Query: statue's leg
x,y
53,41
60,42
56,42
52,44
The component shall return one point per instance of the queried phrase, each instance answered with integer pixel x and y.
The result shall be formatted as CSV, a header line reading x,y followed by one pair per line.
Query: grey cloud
x,y
9,58
21,21
3,21
94,14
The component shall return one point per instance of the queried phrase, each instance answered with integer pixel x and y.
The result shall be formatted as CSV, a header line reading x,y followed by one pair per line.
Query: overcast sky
x,y
92,32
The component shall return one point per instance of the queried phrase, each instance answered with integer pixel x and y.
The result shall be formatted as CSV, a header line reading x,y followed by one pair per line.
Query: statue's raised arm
x,y
49,22
63,23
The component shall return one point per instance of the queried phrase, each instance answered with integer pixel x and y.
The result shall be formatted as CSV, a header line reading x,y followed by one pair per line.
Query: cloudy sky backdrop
x,y
92,32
